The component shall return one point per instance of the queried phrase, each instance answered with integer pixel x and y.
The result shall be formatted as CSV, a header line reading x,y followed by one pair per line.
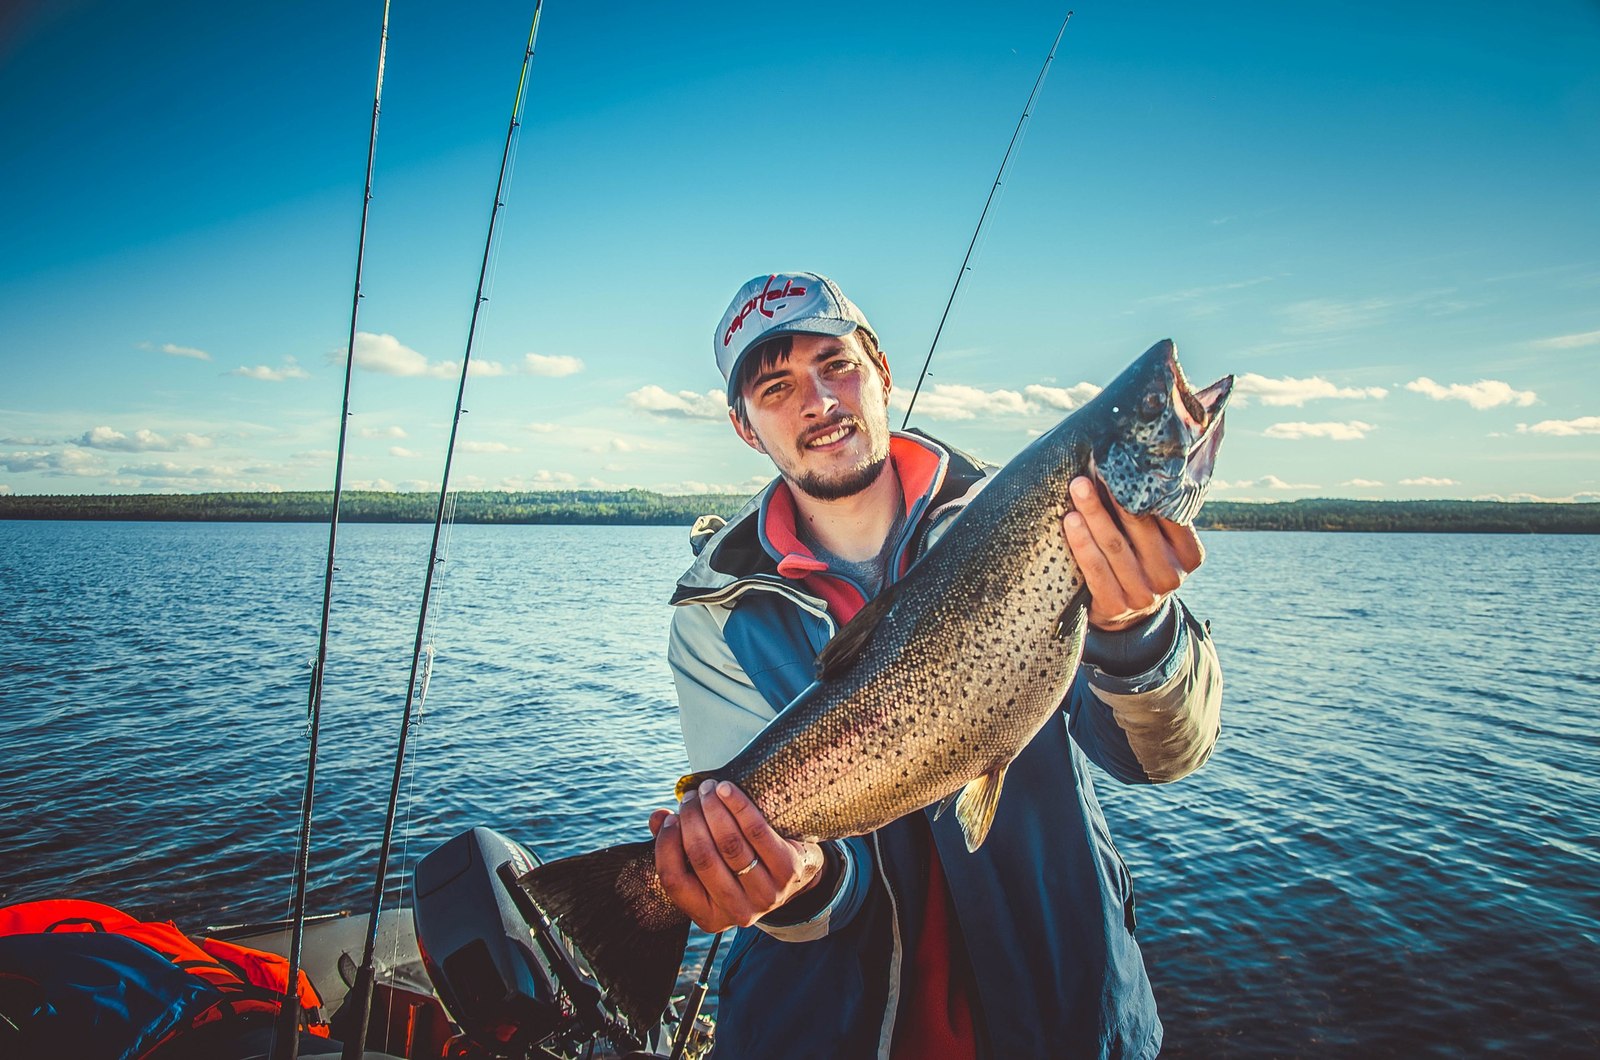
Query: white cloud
x,y
1585,497
685,404
1338,432
1291,391
166,469
542,428
267,374
956,401
1062,399
1428,480
554,366
541,479
1568,342
5,491
1362,483
389,356
1270,482
80,462
185,351
141,441
486,447
71,461
624,445
386,354
1563,428
383,432
1484,394
405,454
740,489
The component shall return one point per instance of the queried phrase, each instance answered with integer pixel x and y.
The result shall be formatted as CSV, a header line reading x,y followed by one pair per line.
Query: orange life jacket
x,y
252,982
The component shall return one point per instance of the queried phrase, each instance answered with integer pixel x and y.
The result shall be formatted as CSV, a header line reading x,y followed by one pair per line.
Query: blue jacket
x,y
1045,907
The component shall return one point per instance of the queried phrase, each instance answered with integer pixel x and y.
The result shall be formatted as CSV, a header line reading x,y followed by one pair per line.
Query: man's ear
x,y
745,433
883,370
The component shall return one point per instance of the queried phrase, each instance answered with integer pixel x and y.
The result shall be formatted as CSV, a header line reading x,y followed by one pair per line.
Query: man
x,y
901,944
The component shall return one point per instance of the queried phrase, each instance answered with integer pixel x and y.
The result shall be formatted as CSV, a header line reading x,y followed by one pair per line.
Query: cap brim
x,y
817,326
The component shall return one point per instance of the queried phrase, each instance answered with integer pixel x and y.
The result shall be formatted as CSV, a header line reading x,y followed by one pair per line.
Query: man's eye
x,y
772,390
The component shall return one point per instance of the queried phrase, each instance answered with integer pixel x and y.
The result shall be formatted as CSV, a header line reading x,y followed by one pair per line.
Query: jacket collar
x,y
759,542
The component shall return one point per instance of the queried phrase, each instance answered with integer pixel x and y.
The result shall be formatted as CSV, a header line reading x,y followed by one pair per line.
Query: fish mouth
x,y
1202,413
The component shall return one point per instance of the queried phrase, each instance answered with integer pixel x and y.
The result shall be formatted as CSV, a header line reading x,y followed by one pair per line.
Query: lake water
x,y
1395,850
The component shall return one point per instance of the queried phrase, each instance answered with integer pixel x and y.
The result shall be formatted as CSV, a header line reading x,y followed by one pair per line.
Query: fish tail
x,y
610,904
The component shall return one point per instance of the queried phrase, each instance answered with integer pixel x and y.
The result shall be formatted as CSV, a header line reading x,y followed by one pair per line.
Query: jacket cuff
x,y
849,893
1133,651
1156,673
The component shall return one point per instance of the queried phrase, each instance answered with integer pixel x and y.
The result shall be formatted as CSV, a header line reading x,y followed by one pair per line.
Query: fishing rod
x,y
286,1034
360,994
962,272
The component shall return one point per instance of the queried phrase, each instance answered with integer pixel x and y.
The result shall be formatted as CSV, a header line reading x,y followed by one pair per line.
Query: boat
x,y
469,970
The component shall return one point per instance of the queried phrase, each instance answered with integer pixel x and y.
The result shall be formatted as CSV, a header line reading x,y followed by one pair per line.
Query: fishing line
x,y
286,1031
361,991
998,177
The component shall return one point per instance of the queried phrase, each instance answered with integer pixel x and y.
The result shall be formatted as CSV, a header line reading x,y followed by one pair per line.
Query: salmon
x,y
935,686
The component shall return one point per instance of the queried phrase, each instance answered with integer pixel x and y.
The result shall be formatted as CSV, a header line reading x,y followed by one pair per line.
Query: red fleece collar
x,y
921,471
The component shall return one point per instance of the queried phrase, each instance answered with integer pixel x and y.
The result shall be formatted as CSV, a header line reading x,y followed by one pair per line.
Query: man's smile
x,y
831,436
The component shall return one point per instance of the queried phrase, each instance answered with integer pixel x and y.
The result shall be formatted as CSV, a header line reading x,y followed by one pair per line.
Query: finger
x,y
1113,543
705,857
1105,593
677,875
737,853
768,845
657,819
1162,571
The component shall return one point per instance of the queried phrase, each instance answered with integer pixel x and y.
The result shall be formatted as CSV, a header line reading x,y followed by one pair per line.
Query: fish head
x,y
1155,439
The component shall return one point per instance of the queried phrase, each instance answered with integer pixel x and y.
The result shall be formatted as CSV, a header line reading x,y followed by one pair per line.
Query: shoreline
x,y
646,508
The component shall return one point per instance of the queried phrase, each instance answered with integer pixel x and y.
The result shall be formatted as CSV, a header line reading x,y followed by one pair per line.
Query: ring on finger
x,y
748,868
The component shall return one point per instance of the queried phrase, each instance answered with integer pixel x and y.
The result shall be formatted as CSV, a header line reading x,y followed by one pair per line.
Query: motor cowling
x,y
485,960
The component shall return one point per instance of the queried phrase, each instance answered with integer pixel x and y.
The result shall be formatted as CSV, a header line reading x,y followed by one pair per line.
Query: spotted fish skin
x,y
936,685
963,660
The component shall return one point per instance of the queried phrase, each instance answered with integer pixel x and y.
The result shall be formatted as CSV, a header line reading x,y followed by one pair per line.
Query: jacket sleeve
x,y
720,711
1156,726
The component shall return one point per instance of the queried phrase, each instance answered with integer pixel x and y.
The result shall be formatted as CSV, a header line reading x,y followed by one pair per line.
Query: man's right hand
x,y
722,863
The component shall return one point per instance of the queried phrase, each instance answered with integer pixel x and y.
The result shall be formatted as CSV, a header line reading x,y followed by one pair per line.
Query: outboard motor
x,y
502,970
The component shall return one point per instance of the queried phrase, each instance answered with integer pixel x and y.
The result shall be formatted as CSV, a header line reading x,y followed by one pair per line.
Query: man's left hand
x,y
1130,568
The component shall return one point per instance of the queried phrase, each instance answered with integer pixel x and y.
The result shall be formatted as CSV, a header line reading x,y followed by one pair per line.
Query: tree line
x,y
647,508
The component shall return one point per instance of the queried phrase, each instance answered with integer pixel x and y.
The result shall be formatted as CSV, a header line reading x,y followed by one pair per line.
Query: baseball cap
x,y
783,303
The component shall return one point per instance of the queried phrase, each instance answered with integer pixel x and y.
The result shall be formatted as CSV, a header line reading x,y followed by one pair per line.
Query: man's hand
x,y
1130,568
721,862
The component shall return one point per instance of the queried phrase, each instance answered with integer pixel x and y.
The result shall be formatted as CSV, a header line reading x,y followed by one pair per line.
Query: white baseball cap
x,y
784,303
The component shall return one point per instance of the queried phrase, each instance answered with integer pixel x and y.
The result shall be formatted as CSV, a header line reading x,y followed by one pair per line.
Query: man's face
x,y
821,415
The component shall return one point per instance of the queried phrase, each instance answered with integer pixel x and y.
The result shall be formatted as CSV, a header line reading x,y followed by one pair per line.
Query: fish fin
x,y
975,808
944,804
846,647
611,906
1074,615
689,781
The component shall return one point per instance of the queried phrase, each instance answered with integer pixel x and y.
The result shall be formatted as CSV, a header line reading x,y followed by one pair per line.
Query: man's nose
x,y
820,398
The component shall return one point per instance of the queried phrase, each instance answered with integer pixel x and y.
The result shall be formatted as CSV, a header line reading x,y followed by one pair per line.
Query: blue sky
x,y
1381,217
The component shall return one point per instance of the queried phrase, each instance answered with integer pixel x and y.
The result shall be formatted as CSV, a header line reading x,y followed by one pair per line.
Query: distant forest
x,y
644,508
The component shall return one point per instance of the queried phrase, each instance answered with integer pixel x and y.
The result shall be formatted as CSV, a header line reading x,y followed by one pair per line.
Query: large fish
x,y
935,686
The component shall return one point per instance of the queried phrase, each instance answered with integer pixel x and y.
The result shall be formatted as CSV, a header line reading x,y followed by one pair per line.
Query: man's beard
x,y
851,481
848,484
